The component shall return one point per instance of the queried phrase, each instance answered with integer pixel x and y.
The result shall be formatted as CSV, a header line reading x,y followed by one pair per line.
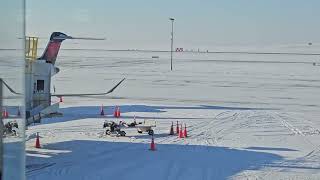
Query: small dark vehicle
x,y
113,128
10,128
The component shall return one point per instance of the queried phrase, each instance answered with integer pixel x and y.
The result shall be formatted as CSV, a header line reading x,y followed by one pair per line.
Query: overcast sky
x,y
199,23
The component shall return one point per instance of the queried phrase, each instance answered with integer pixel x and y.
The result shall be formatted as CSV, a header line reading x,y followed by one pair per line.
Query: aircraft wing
x,y
17,95
10,89
91,94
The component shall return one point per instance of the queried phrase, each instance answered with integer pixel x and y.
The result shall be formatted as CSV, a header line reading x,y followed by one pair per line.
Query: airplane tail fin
x,y
51,52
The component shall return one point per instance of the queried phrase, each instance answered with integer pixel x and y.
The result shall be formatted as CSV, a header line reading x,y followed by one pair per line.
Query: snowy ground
x,y
11,71
248,117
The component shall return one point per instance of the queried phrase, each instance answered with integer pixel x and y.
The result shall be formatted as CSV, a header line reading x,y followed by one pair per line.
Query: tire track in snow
x,y
296,131
213,137
192,129
316,148
201,130
45,165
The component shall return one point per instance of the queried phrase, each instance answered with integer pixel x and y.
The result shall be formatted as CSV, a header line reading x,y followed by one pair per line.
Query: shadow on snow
x,y
82,112
123,160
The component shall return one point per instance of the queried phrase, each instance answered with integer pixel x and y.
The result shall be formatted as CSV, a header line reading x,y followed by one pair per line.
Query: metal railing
x,y
31,48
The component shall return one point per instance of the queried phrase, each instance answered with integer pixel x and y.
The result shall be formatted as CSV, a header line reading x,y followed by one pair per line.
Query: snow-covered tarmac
x,y
248,117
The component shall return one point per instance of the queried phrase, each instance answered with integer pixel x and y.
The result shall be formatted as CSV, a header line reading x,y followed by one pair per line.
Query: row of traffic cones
x,y
116,111
5,113
115,114
180,132
183,133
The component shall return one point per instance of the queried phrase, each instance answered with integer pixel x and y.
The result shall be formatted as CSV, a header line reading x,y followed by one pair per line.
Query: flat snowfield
x,y
248,116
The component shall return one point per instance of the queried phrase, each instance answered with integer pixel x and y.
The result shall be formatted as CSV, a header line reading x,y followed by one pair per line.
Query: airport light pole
x,y
172,20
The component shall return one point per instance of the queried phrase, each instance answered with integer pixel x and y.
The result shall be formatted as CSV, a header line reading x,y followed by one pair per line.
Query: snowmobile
x,y
141,126
10,128
113,129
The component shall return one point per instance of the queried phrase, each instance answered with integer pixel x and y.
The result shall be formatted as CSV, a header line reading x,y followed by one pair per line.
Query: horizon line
x,y
188,51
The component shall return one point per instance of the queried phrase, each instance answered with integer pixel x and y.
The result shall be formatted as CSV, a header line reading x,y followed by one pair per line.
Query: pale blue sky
x,y
201,23
11,28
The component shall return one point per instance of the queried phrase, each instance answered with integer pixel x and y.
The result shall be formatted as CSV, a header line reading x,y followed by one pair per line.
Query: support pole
x,y
172,20
1,131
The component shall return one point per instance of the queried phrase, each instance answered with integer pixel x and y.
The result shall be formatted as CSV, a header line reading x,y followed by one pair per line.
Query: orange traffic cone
x,y
171,130
181,132
101,110
152,145
18,113
115,114
177,128
118,111
37,141
185,130
5,113
61,100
